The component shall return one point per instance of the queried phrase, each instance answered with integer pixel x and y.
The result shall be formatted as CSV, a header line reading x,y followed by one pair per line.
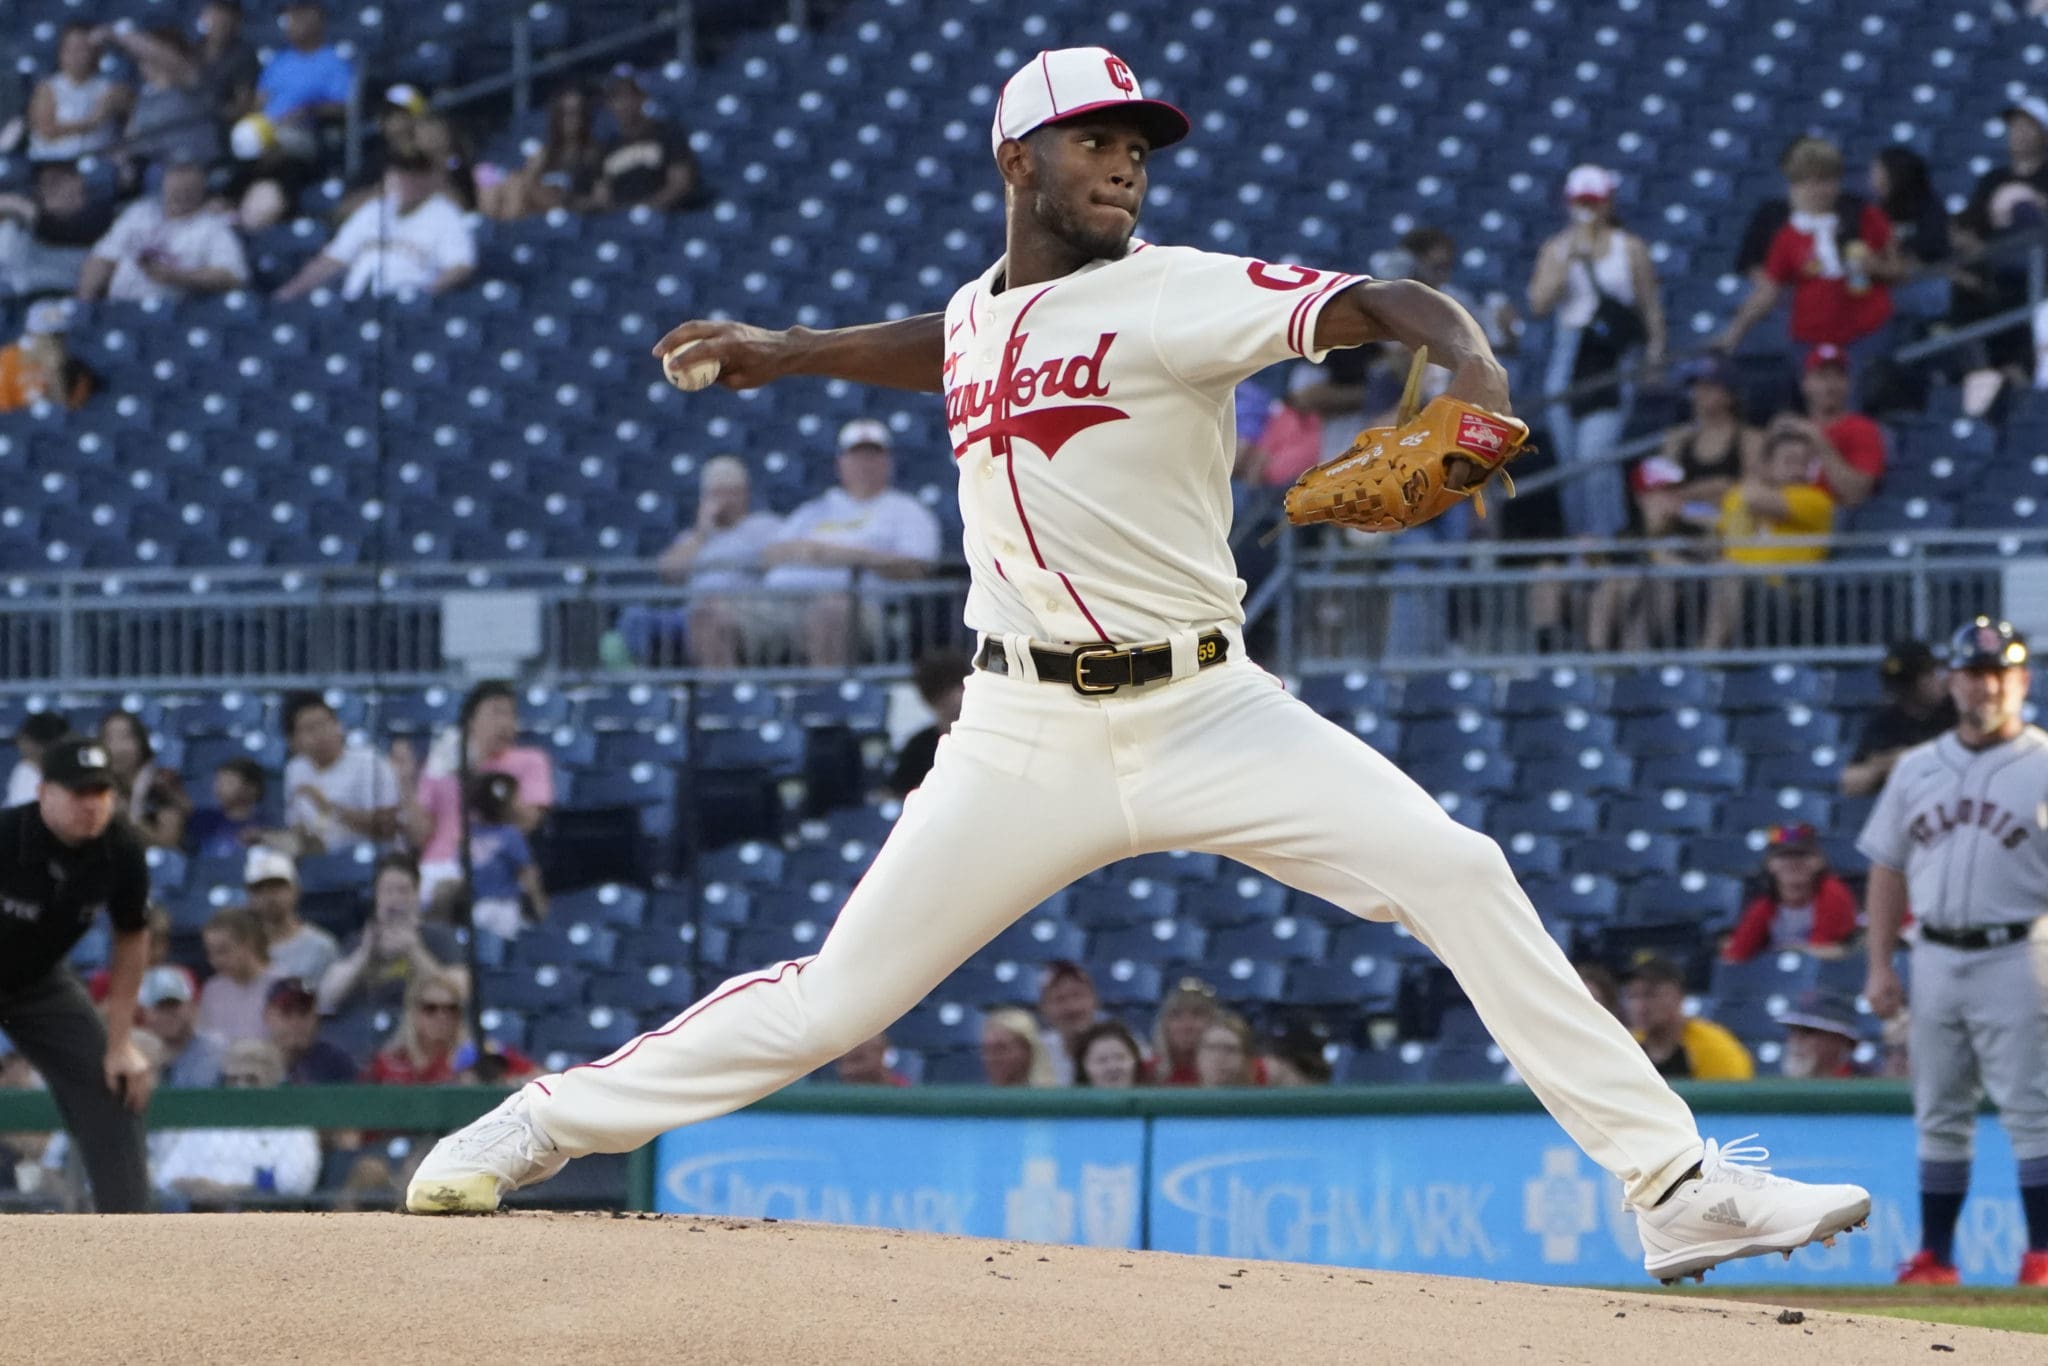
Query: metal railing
x,y
1505,605
363,627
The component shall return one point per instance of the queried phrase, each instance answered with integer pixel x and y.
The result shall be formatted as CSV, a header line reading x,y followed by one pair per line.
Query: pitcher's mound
x,y
609,1290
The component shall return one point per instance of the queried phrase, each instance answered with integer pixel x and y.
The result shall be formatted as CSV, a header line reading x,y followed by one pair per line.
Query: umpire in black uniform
x,y
65,858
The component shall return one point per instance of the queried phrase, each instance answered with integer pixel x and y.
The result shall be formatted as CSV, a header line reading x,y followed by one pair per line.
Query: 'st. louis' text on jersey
x,y
51,892
1093,421
1965,826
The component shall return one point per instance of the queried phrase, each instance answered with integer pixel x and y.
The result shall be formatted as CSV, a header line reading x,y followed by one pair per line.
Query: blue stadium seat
x,y
750,863
1775,686
1165,940
1551,693
1126,983
1444,694
1579,897
1234,900
1401,1064
1674,811
1594,769
1691,895
1366,984
1556,813
1632,854
1134,902
1710,768
1681,731
1479,770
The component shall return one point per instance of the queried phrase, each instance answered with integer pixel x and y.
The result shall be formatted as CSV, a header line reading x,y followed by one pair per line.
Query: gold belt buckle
x,y
1080,660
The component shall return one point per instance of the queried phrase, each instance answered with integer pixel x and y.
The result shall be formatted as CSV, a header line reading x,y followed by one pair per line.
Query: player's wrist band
x,y
1099,670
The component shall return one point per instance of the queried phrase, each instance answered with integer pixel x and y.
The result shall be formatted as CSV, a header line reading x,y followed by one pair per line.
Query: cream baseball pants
x,y
1036,786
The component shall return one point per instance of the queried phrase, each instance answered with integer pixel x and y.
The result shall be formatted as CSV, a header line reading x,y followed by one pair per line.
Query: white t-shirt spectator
x,y
283,1160
23,782
731,559
232,1011
387,252
890,523
360,780
198,241
306,955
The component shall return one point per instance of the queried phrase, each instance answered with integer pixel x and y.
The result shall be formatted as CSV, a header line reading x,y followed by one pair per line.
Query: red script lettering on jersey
x,y
1015,388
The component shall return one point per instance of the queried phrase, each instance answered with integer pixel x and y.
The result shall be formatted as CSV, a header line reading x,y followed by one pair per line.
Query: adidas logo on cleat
x,y
1724,1213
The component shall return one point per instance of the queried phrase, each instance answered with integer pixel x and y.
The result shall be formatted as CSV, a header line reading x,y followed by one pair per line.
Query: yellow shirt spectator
x,y
1809,511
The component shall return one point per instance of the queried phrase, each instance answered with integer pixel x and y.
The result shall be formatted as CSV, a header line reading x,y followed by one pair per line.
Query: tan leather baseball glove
x,y
1406,474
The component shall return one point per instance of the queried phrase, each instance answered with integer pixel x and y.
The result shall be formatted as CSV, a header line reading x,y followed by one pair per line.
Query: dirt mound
x,y
594,1288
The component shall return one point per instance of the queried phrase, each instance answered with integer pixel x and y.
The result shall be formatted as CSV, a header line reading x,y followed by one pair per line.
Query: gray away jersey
x,y
1968,828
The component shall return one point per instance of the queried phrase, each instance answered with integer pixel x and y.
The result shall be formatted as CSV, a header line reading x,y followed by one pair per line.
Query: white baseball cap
x,y
1591,182
1069,81
2033,106
265,864
865,431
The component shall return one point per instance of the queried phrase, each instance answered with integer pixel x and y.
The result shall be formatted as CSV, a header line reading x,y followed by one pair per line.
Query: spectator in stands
x,y
1678,494
234,821
1917,708
292,1024
1821,1033
1799,903
414,239
394,949
21,1154
720,558
562,171
1781,500
226,1166
867,1064
171,247
304,83
1296,1058
1108,1057
228,69
1068,1003
293,947
1225,1056
1597,278
647,160
157,925
941,681
1011,1051
1852,447
490,723
40,367
1902,188
1601,983
172,120
1835,255
432,1043
337,794
505,888
1279,440
2008,202
76,111
152,795
1680,1045
191,1058
36,733
46,236
863,525
231,1001
1187,1010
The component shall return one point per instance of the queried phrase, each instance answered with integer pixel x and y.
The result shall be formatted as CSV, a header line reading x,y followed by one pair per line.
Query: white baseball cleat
x,y
1736,1208
469,1171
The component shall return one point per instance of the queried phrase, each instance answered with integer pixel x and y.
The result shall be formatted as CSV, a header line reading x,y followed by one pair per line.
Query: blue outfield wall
x,y
1481,1185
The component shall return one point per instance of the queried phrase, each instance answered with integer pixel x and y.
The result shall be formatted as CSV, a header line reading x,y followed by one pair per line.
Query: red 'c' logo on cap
x,y
1120,75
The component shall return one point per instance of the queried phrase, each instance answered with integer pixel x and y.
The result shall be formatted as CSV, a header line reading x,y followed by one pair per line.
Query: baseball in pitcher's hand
x,y
748,356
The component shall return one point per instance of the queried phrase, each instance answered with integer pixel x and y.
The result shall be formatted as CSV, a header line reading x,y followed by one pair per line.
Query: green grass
x,y
2014,1308
2018,1318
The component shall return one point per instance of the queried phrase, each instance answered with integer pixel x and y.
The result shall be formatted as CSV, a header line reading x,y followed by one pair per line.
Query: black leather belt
x,y
1099,670
1979,937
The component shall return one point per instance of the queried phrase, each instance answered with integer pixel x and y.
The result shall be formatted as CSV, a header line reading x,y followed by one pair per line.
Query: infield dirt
x,y
600,1290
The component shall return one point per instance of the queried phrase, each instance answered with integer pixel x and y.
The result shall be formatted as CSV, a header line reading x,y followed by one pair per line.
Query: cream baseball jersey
x,y
1094,423
1968,828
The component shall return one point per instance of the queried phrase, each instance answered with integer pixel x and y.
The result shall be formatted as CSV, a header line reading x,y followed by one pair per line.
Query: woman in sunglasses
x,y
431,1045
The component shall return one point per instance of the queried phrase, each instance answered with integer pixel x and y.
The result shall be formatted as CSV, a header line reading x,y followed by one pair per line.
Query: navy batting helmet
x,y
1987,643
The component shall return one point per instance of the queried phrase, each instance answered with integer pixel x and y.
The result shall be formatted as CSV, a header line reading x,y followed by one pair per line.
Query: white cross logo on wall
x,y
1561,1206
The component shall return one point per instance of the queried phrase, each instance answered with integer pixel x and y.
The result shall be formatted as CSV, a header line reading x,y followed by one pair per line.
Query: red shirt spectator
x,y
1854,462
1804,906
1828,307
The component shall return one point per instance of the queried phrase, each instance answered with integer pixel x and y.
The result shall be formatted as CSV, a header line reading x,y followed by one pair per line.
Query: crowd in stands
x,y
153,153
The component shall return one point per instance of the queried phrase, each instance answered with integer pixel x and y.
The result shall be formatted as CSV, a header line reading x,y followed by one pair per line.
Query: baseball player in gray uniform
x,y
1960,834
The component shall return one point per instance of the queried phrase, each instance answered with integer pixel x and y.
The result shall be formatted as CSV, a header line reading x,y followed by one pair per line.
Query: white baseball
x,y
685,374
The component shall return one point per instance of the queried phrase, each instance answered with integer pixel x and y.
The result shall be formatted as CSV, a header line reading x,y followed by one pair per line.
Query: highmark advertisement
x,y
1500,1196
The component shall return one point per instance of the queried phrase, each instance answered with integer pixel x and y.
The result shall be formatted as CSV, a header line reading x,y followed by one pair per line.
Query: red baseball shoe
x,y
1924,1270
